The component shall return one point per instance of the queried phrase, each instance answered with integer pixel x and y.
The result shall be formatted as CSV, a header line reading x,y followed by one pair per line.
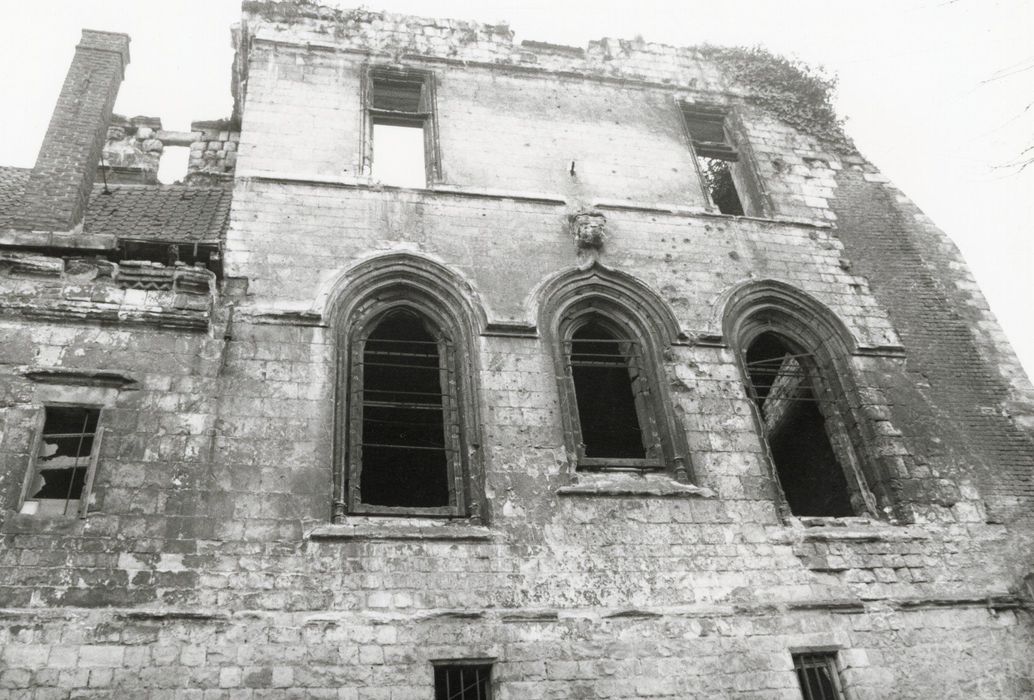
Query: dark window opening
x,y
63,460
716,156
405,451
718,180
191,254
400,110
604,380
781,383
818,677
463,682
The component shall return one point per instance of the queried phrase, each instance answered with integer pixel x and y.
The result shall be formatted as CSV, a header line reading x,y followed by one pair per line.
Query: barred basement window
x,y
459,681
64,461
405,455
401,146
818,676
614,423
725,176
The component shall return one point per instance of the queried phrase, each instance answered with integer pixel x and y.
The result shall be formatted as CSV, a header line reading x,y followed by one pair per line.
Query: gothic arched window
x,y
404,452
795,355
615,425
407,429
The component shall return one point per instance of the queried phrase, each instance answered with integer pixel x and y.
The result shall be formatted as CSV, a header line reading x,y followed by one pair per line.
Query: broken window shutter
x,y
84,497
567,384
641,392
33,470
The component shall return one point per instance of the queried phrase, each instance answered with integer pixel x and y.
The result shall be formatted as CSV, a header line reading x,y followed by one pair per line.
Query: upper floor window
x,y
64,461
795,406
405,454
407,427
726,179
401,145
615,425
796,360
610,333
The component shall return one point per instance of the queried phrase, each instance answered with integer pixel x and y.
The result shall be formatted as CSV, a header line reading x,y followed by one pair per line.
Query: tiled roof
x,y
160,212
142,212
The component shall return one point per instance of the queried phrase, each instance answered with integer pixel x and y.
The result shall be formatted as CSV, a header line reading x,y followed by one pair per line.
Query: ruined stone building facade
x,y
648,387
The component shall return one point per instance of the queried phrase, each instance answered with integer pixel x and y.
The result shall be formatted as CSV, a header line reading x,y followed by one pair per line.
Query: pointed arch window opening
x,y
614,423
802,427
405,448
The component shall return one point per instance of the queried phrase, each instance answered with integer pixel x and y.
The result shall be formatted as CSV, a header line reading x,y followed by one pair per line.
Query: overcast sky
x,y
937,93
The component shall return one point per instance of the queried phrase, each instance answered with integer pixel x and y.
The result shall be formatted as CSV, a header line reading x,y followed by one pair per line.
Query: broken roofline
x,y
796,92
331,26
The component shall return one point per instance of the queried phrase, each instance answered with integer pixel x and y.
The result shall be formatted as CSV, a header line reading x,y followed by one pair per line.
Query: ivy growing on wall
x,y
798,93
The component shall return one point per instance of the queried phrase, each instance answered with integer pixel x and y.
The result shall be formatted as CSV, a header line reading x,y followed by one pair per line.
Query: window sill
x,y
401,529
635,485
851,529
37,523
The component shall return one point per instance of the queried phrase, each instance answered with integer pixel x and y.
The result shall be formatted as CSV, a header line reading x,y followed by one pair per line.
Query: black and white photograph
x,y
572,350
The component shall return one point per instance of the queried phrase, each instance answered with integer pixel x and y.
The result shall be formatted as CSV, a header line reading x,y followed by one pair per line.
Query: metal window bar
x,y
82,459
785,367
628,358
462,683
817,676
403,354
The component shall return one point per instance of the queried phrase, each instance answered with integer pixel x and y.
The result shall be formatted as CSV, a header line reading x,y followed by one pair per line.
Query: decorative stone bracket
x,y
589,228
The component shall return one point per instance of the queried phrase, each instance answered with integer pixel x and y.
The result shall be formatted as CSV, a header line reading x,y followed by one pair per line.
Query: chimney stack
x,y
60,183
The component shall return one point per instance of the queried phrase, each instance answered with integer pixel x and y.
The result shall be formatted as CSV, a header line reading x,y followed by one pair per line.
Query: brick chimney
x,y
59,186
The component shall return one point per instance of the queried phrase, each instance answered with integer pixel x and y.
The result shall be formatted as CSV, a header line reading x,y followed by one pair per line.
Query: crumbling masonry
x,y
644,388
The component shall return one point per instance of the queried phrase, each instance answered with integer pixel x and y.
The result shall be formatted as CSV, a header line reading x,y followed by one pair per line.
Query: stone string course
x,y
207,568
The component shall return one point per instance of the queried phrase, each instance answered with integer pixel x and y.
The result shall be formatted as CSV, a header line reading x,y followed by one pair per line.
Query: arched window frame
x,y
825,345
354,303
629,307
642,394
450,379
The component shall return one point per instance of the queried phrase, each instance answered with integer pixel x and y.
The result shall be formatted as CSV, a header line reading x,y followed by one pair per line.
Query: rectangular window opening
x,y
818,676
463,681
399,158
400,122
64,462
716,156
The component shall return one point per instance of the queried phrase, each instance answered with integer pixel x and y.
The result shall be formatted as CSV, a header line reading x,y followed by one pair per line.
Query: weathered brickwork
x,y
219,557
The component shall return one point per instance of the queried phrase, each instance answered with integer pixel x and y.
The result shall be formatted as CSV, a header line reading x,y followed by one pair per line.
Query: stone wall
x,y
134,147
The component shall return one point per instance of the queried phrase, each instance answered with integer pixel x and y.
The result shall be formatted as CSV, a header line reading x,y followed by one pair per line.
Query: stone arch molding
x,y
620,290
626,303
374,287
864,450
417,275
739,310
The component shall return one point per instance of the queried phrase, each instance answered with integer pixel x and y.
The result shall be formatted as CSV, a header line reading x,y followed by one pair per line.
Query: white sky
x,y
937,93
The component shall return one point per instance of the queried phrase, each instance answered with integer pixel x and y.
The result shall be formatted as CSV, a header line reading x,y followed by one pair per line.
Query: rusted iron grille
x,y
462,682
817,674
